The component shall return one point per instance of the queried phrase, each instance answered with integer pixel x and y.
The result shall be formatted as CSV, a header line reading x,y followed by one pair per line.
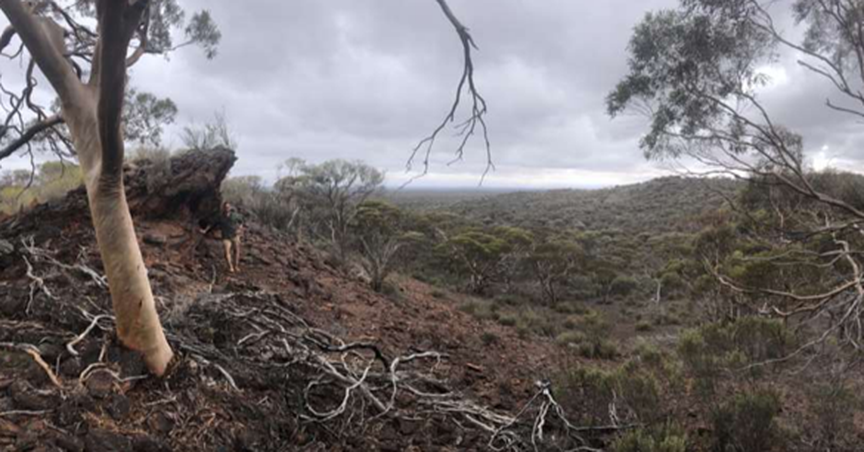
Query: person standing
x,y
230,224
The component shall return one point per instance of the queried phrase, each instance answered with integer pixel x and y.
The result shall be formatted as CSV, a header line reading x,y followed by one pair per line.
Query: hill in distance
x,y
660,205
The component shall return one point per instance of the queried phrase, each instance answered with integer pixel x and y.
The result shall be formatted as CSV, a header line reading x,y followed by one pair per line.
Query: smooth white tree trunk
x,y
138,325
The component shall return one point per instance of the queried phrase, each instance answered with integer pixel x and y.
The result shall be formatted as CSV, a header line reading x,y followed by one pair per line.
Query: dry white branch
x,y
71,345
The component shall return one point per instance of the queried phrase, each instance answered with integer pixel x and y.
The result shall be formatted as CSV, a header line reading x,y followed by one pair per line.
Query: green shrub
x,y
603,349
588,392
508,299
479,309
747,423
571,322
623,286
834,405
569,307
711,351
667,318
537,323
470,307
570,337
488,338
508,319
437,293
642,440
659,362
644,325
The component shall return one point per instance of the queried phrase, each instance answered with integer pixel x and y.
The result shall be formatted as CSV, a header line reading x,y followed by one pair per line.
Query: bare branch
x,y
29,134
478,106
44,40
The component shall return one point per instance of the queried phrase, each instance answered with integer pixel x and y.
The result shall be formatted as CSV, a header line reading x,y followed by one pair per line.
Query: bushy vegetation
x,y
702,289
21,189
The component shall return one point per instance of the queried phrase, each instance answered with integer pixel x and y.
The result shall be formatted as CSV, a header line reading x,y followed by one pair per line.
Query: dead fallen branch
x,y
37,357
348,385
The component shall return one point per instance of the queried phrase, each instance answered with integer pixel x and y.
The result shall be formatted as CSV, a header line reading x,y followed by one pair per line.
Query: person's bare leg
x,y
236,243
227,244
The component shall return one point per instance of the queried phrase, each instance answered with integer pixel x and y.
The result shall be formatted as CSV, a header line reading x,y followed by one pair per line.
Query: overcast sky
x,y
366,79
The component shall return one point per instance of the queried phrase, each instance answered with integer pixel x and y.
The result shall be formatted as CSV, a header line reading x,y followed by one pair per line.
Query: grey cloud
x,y
367,79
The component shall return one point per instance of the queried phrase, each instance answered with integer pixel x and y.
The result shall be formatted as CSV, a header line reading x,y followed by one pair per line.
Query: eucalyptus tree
x,y
697,71
552,260
381,232
330,193
82,49
484,255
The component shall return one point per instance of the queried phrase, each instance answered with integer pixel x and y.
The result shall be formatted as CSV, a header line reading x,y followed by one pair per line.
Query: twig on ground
x,y
34,353
71,345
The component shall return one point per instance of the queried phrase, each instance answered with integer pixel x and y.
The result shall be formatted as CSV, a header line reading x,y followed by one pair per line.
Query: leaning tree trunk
x,y
138,325
93,112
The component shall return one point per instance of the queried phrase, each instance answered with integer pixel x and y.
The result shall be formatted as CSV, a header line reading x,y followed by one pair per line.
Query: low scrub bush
x,y
747,423
589,392
651,440
711,351
488,338
644,326
569,338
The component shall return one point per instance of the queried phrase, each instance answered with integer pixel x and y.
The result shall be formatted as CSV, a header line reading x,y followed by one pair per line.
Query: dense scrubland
x,y
656,295
716,313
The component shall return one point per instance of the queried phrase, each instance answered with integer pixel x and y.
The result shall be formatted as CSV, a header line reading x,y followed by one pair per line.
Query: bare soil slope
x,y
269,359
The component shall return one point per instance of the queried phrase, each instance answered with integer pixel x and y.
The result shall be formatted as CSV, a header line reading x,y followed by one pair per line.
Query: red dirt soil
x,y
195,407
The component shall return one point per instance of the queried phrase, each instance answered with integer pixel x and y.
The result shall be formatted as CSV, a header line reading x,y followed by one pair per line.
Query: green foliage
x,y
144,117
643,326
508,319
552,260
747,423
661,205
834,404
596,330
588,392
569,307
379,235
51,180
537,323
623,285
651,440
482,310
713,350
570,338
681,61
209,135
482,254
488,338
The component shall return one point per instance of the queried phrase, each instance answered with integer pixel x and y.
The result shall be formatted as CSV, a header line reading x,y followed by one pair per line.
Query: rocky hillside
x,y
289,354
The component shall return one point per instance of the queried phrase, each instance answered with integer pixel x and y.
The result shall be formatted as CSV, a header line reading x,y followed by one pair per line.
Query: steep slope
x,y
288,355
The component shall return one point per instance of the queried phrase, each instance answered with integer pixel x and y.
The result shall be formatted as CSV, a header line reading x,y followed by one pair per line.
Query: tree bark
x,y
138,326
93,114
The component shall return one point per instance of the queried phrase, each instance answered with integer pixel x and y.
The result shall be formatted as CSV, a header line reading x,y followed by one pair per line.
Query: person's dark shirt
x,y
229,224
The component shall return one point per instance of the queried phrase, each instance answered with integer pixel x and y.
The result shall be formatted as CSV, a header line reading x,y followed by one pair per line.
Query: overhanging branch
x,y
29,134
44,40
478,105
